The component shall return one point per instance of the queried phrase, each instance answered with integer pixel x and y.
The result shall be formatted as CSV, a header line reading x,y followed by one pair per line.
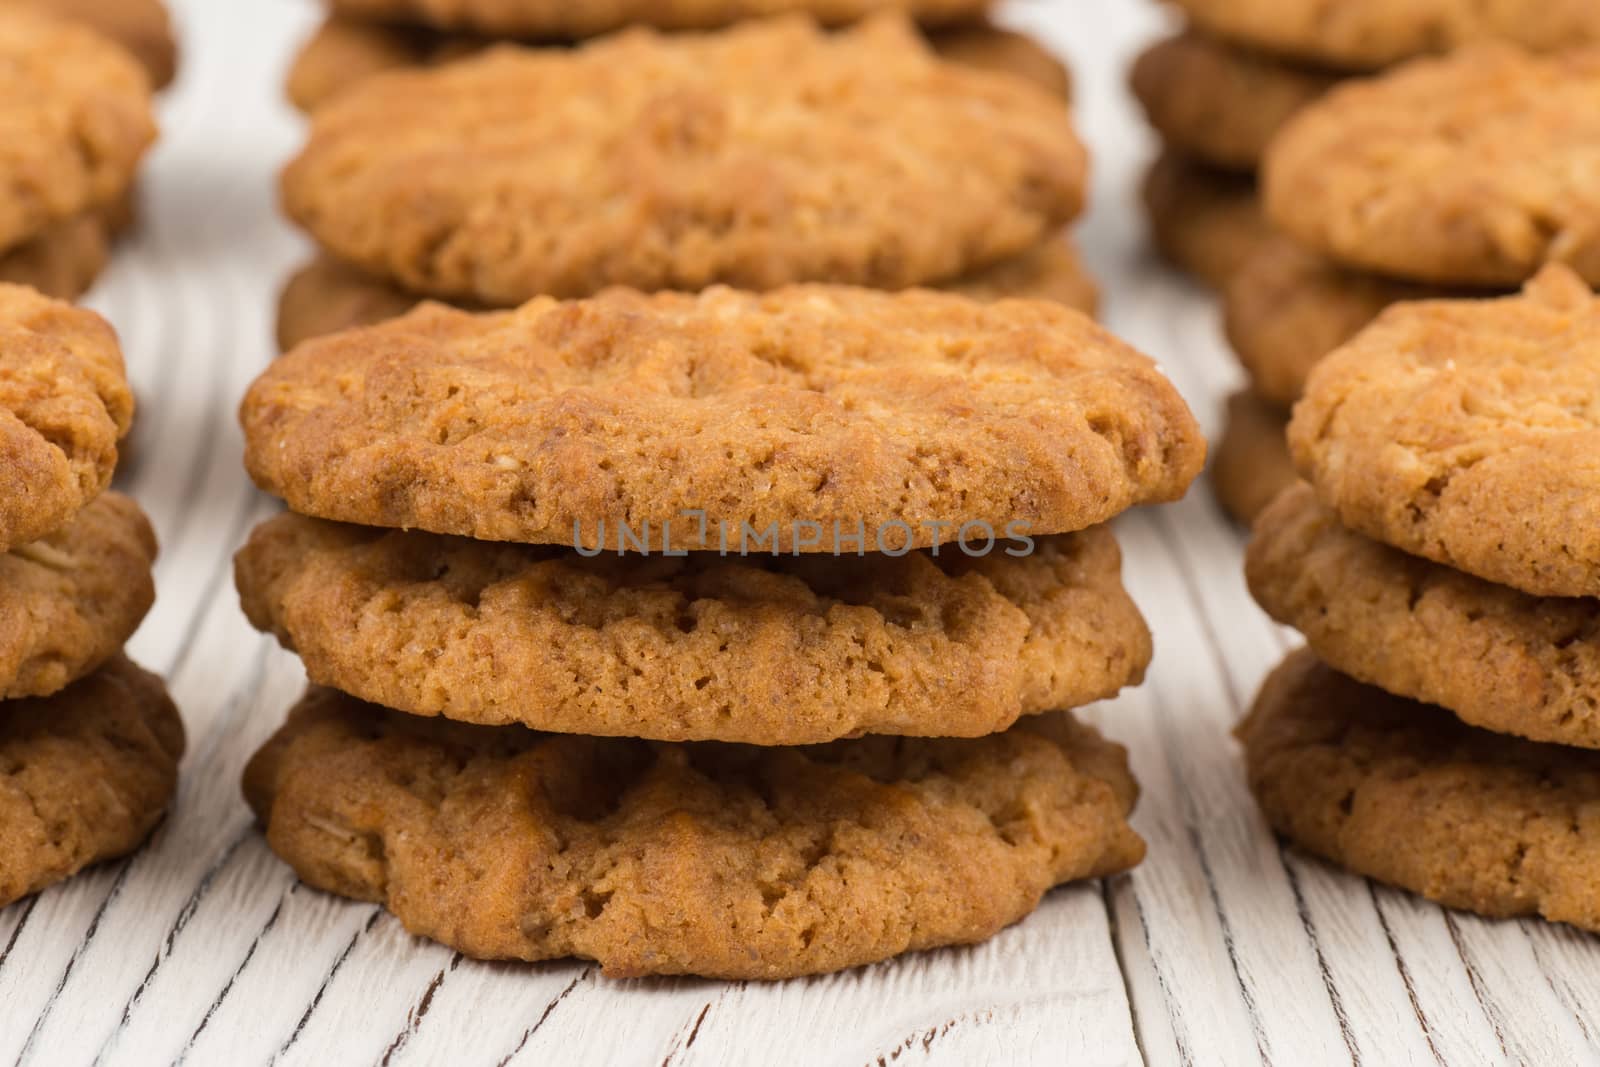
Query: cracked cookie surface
x,y
85,774
871,162
64,404
755,649
1409,795
1468,432
812,404
74,121
726,861
1499,659
71,599
1474,169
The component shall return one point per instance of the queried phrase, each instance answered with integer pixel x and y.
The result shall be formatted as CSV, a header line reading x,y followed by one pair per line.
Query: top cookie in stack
x,y
1446,551
1457,176
870,162
1218,91
762,520
360,40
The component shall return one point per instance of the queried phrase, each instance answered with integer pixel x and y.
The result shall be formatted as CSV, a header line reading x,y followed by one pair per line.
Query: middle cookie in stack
x,y
865,513
1446,177
1448,552
678,162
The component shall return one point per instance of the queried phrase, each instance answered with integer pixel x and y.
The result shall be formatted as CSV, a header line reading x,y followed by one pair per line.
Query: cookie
x,y
1252,464
1407,794
70,600
1205,222
785,651
1051,271
1466,432
75,119
1219,104
1285,308
728,861
989,47
1498,658
63,261
1368,34
64,403
562,20
84,774
140,26
342,53
1469,170
805,416
869,162
326,296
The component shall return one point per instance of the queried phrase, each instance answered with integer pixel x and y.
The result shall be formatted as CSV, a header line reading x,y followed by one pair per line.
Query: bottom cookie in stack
x,y
1406,793
1442,731
721,860
85,774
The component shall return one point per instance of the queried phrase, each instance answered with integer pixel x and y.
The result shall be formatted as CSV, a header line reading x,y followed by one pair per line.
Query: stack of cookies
x,y
1219,90
1445,177
89,743
677,162
76,119
361,38
1440,732
723,634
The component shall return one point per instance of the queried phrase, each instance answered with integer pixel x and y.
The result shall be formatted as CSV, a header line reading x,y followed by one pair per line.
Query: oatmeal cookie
x,y
728,861
1252,464
1217,103
845,408
70,600
74,119
869,162
1498,658
1468,432
64,403
84,774
1203,221
1474,169
1409,795
785,651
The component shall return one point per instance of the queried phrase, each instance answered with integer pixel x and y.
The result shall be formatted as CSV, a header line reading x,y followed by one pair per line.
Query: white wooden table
x,y
1221,948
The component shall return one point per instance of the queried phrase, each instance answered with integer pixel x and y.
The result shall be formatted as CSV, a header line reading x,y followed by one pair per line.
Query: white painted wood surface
x,y
1221,948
